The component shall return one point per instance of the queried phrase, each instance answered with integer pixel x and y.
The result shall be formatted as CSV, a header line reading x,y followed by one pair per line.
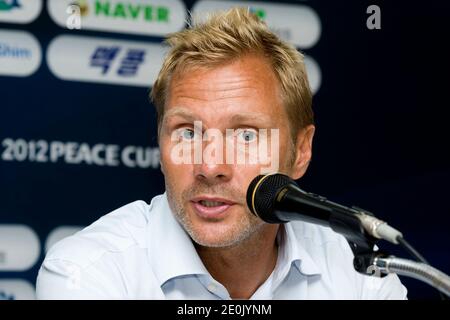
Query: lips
x,y
211,207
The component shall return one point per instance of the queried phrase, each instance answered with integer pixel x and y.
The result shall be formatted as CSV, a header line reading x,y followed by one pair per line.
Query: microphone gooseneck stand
x,y
276,204
413,269
363,233
367,260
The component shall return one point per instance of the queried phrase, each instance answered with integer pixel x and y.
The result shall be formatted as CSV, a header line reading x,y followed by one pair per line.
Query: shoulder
x,y
106,260
114,232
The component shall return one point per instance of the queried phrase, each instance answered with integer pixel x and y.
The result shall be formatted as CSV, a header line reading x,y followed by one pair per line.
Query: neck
x,y
244,267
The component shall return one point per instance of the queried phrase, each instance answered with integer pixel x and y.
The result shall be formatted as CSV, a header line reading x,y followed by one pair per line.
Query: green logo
x,y
7,5
83,5
129,11
260,13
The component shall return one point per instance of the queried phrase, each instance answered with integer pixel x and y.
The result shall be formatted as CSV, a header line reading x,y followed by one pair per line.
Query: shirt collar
x,y
173,254
292,251
171,250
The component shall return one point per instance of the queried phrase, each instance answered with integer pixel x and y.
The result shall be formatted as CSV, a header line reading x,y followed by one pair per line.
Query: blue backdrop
x,y
381,141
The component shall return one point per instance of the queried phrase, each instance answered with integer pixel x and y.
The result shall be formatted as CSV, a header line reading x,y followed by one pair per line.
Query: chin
x,y
216,236
216,243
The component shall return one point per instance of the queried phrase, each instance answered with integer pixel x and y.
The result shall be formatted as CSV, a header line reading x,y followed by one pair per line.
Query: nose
x,y
213,173
213,168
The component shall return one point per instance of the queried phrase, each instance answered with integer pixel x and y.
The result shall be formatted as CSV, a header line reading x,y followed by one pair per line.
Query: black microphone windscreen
x,y
262,192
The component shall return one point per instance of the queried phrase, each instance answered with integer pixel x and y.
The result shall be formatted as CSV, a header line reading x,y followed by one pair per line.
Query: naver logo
x,y
8,5
130,11
145,17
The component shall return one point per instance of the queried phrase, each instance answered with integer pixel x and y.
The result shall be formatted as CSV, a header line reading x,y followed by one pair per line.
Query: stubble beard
x,y
245,227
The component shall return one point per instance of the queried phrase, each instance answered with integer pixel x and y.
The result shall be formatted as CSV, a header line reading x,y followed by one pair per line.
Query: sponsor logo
x,y
76,58
15,289
11,51
147,17
103,57
20,53
84,7
19,11
261,13
74,153
19,247
7,5
297,24
130,11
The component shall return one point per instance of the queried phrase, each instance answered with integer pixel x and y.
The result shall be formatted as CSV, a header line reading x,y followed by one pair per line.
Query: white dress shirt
x,y
140,251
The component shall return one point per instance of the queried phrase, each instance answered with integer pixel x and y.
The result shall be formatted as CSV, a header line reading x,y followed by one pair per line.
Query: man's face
x,y
209,198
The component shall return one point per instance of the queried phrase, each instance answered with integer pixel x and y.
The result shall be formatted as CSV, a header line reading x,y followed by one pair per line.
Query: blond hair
x,y
229,35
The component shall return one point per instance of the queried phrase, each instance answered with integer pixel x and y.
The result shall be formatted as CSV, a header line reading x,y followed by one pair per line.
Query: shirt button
x,y
212,287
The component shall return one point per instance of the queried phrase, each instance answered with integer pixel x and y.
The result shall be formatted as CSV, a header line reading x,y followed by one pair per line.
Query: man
x,y
225,79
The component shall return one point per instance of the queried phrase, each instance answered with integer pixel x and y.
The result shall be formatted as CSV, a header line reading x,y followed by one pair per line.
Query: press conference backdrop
x,y
78,132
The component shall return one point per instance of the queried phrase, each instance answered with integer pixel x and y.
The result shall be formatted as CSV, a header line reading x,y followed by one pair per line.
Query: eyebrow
x,y
182,113
251,117
260,119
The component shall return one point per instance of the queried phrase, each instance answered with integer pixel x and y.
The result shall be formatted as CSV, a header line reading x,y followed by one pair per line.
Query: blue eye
x,y
247,135
187,134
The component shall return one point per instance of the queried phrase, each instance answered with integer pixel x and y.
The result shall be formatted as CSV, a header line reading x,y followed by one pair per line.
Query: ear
x,y
303,151
161,167
161,162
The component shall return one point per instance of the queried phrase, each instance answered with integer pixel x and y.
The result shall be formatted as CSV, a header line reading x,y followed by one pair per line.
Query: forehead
x,y
247,84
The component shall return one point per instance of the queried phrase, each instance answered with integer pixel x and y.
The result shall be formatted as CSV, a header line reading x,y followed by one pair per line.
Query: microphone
x,y
276,198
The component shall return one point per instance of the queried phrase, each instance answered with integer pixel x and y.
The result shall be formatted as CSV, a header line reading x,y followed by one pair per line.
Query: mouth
x,y
211,207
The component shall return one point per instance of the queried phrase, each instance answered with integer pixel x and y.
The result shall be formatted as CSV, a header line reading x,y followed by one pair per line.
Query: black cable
x,y
413,252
